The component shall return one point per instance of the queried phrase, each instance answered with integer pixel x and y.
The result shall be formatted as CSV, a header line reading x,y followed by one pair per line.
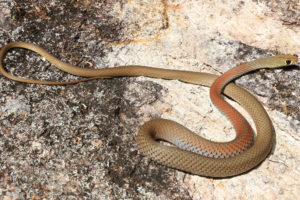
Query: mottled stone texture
x,y
77,141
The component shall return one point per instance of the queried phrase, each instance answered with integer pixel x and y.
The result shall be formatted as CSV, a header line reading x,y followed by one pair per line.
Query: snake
x,y
188,151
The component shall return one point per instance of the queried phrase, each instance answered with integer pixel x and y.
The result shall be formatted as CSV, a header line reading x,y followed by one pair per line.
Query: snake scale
x,y
190,152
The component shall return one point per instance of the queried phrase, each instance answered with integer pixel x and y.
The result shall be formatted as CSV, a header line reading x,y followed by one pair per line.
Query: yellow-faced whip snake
x,y
193,153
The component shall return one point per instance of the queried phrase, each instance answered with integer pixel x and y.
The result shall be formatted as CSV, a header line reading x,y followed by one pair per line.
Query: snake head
x,y
291,60
282,60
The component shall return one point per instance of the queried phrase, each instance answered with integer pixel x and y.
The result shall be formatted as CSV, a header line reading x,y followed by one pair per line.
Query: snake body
x,y
195,154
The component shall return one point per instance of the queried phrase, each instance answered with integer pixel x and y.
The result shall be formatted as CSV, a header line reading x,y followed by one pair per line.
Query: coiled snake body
x,y
196,154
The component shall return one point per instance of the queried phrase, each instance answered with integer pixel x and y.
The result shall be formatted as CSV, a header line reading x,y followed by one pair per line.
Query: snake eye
x,y
288,62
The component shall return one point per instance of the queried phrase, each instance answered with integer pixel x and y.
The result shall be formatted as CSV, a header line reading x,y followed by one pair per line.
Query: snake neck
x,y
243,129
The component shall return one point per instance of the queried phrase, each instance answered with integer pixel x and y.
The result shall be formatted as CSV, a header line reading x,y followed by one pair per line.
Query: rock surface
x,y
77,141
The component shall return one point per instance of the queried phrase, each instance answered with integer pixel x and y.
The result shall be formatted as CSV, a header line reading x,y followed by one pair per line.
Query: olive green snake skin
x,y
195,154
